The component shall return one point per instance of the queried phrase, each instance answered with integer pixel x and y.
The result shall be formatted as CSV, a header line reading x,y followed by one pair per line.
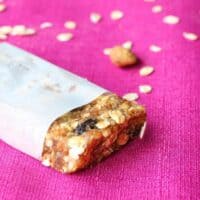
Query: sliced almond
x,y
127,44
70,25
190,36
147,70
95,17
157,9
171,19
131,96
64,37
116,14
155,48
145,88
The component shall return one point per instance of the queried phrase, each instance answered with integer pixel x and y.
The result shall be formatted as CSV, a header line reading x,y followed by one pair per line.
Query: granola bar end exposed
x,y
86,135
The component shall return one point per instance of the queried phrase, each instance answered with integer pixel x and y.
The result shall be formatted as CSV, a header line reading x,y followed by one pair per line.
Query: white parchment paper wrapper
x,y
33,93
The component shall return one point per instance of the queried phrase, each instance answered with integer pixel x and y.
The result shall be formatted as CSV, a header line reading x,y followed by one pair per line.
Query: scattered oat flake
x,y
127,45
116,15
30,31
190,36
95,18
155,48
18,30
45,25
64,37
147,70
157,9
107,51
70,24
3,37
171,19
131,96
145,88
142,131
5,29
46,163
2,7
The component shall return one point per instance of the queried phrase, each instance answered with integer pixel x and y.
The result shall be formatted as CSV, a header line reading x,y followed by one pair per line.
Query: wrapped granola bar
x,y
35,94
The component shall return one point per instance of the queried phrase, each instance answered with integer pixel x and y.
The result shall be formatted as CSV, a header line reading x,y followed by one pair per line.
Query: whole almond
x,y
122,57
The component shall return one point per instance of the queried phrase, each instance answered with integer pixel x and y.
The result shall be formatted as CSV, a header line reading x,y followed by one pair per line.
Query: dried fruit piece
x,y
64,37
116,14
147,70
145,88
157,9
171,19
46,25
85,126
70,25
95,17
155,48
190,36
122,139
122,57
131,96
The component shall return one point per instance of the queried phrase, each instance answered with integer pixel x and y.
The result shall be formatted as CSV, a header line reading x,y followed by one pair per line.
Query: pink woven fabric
x,y
166,163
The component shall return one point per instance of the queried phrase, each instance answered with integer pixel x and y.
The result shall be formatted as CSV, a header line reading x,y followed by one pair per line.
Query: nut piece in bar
x,y
86,135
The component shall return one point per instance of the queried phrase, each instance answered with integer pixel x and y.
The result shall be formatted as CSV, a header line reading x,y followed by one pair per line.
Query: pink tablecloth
x,y
166,164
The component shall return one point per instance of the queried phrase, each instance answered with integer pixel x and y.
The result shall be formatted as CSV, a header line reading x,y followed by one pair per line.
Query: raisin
x,y
85,126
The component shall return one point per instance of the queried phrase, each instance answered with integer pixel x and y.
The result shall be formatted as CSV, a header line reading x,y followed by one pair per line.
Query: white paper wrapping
x,y
33,93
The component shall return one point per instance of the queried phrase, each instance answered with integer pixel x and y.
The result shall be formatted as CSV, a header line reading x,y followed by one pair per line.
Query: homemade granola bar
x,y
88,134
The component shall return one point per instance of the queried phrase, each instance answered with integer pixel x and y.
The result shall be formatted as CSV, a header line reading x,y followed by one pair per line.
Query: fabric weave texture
x,y
166,163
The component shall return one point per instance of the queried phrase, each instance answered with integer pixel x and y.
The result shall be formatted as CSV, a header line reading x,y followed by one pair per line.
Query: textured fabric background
x,y
166,163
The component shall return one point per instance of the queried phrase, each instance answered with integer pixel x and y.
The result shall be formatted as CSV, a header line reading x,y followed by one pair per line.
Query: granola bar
x,y
86,135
